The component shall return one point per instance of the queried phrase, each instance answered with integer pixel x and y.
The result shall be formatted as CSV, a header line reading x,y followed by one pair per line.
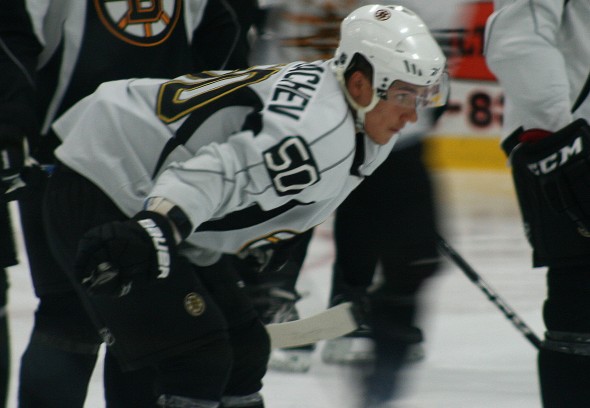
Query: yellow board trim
x,y
452,152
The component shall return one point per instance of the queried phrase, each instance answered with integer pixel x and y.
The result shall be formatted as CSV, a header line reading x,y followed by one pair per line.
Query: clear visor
x,y
406,95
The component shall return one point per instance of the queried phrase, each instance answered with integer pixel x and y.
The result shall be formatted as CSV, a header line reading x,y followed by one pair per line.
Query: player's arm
x,y
521,50
218,179
114,255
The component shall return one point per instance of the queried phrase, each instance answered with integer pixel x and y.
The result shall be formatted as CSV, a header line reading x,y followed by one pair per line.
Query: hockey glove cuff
x,y
113,255
17,169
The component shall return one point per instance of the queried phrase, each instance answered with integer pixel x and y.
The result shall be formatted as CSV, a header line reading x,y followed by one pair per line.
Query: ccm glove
x,y
556,166
113,255
17,169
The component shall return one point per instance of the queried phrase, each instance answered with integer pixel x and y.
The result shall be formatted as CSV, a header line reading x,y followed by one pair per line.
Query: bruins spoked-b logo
x,y
142,23
194,304
382,14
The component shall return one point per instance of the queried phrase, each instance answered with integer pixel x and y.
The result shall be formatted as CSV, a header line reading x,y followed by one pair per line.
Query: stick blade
x,y
331,323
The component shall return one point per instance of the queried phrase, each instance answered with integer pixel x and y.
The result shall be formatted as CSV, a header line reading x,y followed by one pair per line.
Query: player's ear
x,y
360,88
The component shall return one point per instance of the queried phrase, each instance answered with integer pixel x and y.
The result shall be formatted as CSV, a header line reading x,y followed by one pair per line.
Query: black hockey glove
x,y
113,255
557,167
16,178
271,258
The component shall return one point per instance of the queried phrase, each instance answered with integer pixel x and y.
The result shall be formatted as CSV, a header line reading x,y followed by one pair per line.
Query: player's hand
x,y
269,258
113,255
17,170
558,166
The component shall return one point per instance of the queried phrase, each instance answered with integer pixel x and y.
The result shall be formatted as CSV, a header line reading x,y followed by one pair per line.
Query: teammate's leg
x,y
395,306
408,257
125,389
4,340
61,353
565,375
355,263
7,258
60,357
357,235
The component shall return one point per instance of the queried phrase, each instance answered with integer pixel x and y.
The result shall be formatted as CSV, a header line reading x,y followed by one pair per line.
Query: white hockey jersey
x,y
540,53
252,157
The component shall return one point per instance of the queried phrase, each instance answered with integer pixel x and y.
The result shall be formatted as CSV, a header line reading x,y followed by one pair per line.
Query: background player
x,y
540,54
385,253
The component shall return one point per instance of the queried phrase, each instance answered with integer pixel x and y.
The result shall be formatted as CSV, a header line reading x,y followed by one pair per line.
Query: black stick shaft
x,y
491,294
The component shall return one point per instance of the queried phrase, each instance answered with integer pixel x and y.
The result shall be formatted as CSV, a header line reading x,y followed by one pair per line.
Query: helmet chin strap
x,y
360,111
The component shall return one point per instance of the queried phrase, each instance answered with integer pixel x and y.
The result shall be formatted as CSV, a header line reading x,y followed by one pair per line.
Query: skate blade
x,y
348,350
360,350
292,361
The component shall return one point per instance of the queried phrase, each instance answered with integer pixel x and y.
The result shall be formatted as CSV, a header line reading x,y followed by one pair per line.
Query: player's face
x,y
393,112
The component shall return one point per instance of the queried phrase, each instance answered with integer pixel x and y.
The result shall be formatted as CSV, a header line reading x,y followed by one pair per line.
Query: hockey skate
x,y
385,404
278,306
358,348
355,348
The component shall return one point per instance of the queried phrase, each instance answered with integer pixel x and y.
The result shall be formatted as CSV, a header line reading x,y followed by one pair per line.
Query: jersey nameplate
x,y
294,91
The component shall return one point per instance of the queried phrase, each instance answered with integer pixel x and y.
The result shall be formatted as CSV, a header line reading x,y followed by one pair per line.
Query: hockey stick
x,y
331,323
492,295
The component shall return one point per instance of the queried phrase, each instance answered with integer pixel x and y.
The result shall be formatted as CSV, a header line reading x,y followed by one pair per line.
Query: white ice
x,y
475,358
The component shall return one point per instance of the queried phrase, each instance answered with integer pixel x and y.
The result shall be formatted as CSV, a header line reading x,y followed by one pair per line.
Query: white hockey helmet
x,y
397,44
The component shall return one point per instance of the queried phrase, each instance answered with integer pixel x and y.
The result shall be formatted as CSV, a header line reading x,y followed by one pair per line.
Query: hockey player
x,y
158,179
84,44
395,236
540,53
